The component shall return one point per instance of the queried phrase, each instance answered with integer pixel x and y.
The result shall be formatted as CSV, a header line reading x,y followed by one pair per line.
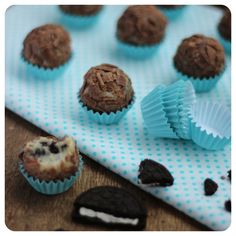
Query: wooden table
x,y
27,209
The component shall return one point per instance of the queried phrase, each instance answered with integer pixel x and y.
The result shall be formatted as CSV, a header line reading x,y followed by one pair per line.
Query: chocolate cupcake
x,y
201,60
77,16
49,164
140,30
47,50
224,29
106,94
172,11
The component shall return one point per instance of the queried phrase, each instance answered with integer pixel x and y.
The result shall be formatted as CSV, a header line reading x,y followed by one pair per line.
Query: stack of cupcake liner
x,y
173,112
163,112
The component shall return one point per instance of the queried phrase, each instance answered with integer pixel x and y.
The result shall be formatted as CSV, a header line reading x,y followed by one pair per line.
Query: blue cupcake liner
x,y
106,118
154,116
45,73
137,52
210,125
51,187
200,85
173,14
186,101
225,43
76,22
173,97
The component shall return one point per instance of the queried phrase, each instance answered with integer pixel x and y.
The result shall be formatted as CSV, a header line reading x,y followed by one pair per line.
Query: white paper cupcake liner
x,y
210,125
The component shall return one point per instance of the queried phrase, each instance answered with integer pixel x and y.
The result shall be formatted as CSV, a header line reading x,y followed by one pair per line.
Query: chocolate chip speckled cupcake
x,y
140,30
47,51
201,60
50,165
77,16
106,94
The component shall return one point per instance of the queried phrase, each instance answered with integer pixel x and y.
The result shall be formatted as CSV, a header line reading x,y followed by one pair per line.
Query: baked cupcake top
x,y
47,46
141,25
224,26
106,88
81,10
48,158
200,56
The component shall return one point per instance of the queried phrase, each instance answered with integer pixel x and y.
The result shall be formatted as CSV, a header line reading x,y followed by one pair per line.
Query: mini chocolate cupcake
x,y
140,30
50,165
224,29
106,94
47,50
201,60
172,11
77,16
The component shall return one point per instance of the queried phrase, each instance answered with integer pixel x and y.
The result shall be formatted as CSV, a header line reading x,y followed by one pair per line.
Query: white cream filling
x,y
108,218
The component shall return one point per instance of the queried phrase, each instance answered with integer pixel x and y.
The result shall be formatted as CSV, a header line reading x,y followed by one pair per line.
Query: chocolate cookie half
x,y
110,206
152,173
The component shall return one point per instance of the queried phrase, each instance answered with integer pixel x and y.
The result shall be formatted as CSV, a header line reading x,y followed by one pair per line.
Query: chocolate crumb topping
x,y
106,88
224,26
171,7
141,25
200,56
47,46
83,10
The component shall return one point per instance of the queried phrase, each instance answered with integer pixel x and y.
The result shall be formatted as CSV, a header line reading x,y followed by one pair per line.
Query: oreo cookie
x,y
210,187
152,173
229,175
110,206
228,205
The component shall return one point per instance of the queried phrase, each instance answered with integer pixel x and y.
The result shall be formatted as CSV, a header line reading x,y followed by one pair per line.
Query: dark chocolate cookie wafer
x,y
210,187
228,205
154,174
110,206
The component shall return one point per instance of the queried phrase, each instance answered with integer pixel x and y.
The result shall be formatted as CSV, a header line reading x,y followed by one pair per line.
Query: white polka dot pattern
x,y
52,105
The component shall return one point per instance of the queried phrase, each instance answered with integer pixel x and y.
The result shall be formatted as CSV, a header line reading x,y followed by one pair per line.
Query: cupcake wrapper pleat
x,y
155,117
106,118
210,125
137,52
51,187
172,14
173,112
200,85
77,22
225,43
45,74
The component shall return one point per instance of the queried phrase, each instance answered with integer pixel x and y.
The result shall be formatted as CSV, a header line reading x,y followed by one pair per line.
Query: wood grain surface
x,y
26,209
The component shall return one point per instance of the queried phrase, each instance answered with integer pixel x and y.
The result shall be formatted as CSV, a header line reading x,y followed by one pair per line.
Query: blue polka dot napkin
x,y
52,105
